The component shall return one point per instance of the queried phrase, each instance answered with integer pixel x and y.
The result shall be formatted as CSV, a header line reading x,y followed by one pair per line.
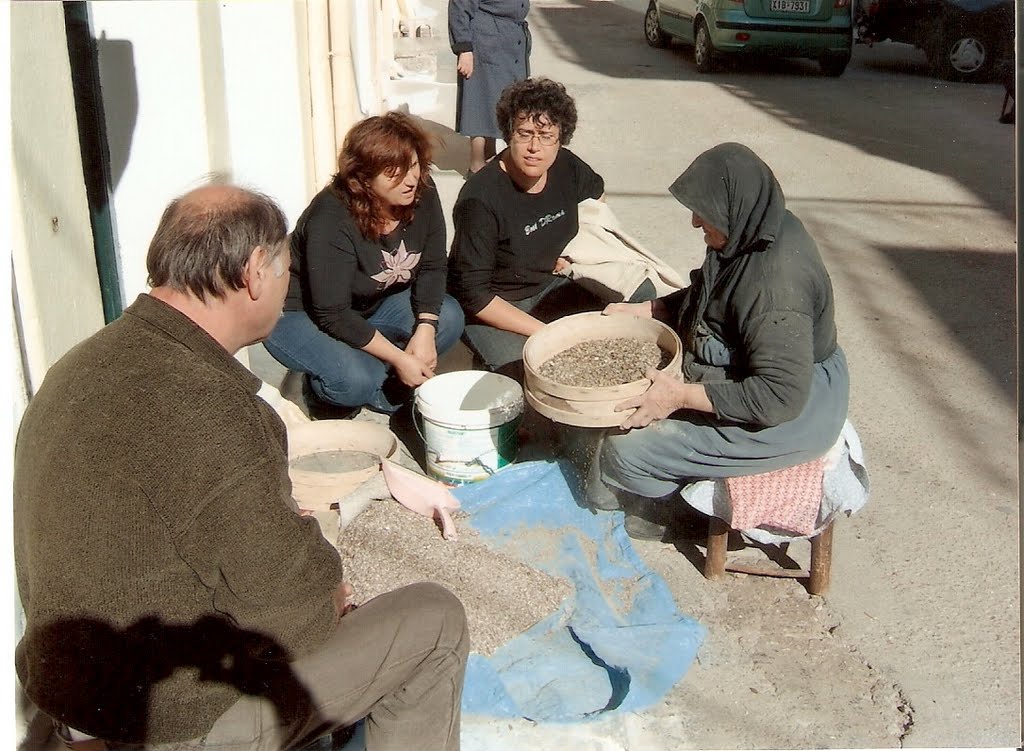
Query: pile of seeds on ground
x,y
604,362
387,546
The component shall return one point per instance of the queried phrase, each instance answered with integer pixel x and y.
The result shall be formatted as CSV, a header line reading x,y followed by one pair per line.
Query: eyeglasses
x,y
546,138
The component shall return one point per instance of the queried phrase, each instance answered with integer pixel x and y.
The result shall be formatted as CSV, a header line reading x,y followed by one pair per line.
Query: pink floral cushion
x,y
786,499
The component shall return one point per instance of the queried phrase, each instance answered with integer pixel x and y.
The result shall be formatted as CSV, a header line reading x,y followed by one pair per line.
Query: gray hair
x,y
202,246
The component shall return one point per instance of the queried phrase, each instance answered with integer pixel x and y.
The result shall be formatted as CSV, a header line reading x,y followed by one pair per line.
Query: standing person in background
x,y
492,41
366,314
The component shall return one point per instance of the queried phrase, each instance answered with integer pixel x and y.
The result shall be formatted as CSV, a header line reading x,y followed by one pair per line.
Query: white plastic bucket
x,y
469,423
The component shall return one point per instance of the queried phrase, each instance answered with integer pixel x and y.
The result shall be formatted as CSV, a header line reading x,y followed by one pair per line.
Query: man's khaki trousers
x,y
397,660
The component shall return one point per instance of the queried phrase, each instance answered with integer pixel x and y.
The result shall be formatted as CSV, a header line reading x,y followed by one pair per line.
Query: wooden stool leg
x,y
821,562
718,541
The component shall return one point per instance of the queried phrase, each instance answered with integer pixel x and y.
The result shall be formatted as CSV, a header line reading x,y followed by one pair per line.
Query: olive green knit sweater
x,y
161,565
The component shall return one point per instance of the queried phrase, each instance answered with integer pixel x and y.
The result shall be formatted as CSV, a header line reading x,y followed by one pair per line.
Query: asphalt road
x,y
907,183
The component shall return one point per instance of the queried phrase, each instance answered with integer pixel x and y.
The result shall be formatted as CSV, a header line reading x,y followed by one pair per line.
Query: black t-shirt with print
x,y
340,278
506,240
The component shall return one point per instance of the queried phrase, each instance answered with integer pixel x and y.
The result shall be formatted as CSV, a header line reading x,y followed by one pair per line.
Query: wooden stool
x,y
819,575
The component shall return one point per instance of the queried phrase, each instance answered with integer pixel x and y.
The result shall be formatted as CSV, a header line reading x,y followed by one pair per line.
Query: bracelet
x,y
428,321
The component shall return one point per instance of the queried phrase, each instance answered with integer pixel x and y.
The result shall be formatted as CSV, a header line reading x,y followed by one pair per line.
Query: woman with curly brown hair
x,y
366,314
514,218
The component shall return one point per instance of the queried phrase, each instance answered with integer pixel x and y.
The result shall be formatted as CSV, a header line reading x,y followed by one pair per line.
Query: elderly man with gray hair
x,y
174,597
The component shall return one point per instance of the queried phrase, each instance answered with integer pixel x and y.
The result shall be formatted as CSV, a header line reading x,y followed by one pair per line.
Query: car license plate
x,y
791,6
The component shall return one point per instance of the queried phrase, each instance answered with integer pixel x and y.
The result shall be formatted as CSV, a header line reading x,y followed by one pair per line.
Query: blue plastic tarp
x,y
618,643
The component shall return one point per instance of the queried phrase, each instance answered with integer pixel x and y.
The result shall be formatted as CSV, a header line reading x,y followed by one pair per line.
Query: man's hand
x,y
423,346
562,266
464,65
665,395
342,597
636,309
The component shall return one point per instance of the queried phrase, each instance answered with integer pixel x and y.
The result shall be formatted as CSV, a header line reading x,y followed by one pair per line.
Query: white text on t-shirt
x,y
543,221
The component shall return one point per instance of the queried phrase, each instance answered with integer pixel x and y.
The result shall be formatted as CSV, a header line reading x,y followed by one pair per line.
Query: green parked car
x,y
818,29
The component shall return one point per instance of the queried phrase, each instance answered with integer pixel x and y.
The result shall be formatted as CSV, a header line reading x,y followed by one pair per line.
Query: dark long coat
x,y
495,31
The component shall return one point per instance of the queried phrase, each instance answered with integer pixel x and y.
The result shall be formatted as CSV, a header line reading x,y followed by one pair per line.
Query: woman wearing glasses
x,y
513,219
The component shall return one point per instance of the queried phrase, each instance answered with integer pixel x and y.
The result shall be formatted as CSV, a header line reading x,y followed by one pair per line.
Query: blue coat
x,y
495,31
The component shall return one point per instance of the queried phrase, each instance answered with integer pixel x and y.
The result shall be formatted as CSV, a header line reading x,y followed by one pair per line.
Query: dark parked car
x,y
965,40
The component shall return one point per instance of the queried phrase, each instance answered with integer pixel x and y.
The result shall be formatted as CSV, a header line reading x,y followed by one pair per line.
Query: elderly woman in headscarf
x,y
764,382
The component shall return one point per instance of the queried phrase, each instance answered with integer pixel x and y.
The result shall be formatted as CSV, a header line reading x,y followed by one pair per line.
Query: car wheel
x,y
834,63
703,49
652,29
961,54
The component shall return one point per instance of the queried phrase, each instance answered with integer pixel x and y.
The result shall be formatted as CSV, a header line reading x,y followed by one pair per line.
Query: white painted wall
x,y
151,77
267,99
56,283
194,87
366,44
56,298
189,88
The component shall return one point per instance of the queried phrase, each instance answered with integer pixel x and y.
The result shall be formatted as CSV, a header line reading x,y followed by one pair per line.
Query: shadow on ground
x,y
451,152
902,115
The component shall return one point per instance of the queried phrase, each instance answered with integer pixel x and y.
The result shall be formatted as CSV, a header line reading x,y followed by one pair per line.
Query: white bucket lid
x,y
470,398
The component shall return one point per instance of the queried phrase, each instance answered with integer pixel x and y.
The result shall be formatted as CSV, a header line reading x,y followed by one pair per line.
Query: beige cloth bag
x,y
608,262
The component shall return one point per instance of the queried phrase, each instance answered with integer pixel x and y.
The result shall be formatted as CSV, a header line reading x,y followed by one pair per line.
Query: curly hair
x,y
535,97
383,144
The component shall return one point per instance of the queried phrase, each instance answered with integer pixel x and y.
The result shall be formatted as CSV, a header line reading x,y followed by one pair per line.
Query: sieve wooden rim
x,y
563,333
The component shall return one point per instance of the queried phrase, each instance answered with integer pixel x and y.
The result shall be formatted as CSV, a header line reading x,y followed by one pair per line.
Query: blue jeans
x,y
347,376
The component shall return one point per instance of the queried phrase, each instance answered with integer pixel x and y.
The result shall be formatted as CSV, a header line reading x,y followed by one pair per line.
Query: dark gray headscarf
x,y
734,191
